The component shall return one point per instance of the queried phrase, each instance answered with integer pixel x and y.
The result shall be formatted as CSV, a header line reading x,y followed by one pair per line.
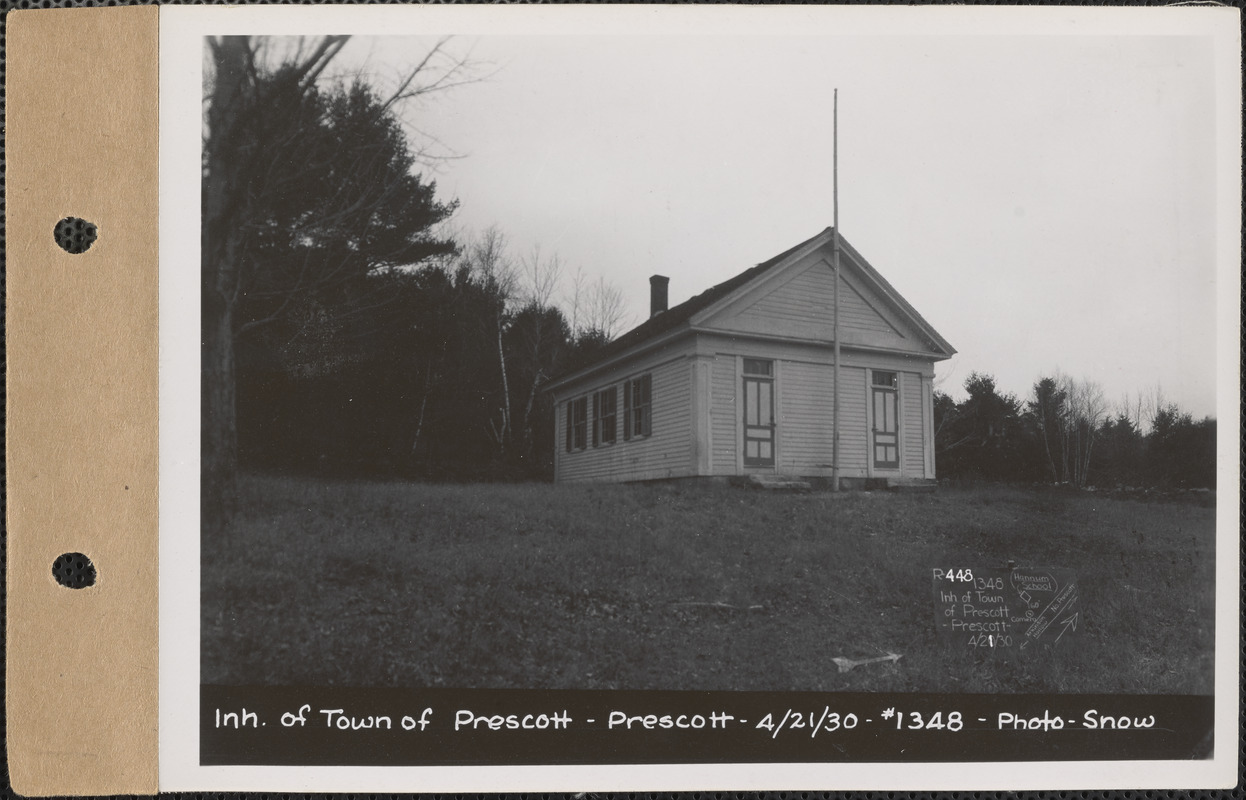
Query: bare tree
x,y
1069,414
487,257
1084,409
1150,404
603,312
540,332
575,299
1142,408
541,276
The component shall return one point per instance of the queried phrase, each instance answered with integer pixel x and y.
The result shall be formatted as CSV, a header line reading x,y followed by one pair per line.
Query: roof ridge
x,y
672,318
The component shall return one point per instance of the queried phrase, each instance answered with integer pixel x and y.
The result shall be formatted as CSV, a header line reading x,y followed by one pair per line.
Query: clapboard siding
x,y
783,311
806,429
928,426
806,433
723,397
854,438
804,386
912,427
810,298
666,453
802,307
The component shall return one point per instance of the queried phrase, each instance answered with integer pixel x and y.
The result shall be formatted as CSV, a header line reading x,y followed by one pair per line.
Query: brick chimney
x,y
657,294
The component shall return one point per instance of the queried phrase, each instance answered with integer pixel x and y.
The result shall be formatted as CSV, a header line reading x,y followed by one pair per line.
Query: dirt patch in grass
x,y
707,588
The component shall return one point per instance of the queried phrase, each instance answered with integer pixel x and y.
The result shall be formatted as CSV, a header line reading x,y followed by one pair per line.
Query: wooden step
x,y
912,484
778,483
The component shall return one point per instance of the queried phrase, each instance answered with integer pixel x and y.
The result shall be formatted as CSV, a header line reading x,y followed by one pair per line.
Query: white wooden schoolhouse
x,y
738,381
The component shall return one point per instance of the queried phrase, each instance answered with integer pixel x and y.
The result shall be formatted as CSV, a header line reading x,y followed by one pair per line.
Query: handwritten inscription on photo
x,y
1006,608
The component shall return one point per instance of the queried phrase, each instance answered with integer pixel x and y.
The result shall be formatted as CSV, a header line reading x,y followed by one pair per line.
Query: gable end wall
x,y
797,302
804,385
912,426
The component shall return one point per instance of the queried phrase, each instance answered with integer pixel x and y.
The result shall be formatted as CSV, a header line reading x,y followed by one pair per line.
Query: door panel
x,y
758,422
886,429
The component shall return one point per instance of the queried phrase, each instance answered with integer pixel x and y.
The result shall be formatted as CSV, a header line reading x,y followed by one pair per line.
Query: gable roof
x,y
673,317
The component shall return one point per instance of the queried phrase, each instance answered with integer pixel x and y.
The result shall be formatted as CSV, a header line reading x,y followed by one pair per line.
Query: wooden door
x,y
759,428
886,428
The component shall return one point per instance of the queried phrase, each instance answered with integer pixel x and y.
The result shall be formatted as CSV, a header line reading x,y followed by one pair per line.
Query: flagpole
x,y
835,313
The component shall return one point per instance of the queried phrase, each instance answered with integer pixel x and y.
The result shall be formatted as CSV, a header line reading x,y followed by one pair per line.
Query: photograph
x,y
724,362
500,470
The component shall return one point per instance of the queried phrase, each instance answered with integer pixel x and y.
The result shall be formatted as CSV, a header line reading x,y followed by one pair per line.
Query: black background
x,y
1183,728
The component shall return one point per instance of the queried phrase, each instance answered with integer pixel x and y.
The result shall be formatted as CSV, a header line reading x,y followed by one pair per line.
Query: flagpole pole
x,y
835,313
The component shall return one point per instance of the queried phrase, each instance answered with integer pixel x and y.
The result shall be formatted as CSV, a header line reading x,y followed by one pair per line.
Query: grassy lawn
x,y
595,587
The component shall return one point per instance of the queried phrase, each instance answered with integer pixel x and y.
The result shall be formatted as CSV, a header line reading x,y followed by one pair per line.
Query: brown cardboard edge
x,y
82,446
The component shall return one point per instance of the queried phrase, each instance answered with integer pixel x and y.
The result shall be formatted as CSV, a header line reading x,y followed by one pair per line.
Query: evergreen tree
x,y
307,191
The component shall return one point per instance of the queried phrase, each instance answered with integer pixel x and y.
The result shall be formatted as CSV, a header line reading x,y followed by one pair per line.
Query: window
x,y
887,379
637,407
755,366
758,413
577,423
605,411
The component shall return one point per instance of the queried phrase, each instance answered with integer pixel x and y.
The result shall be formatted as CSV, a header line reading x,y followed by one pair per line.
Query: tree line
x,y
1066,432
347,330
434,373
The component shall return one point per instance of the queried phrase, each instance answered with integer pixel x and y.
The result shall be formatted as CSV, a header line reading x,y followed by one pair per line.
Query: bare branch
x,y
306,72
605,308
401,92
542,276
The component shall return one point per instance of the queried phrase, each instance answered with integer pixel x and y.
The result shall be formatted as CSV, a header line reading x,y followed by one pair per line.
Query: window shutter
x,y
570,423
596,418
627,410
609,411
646,390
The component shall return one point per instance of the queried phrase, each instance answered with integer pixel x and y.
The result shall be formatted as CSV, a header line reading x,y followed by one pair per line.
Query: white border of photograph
x,y
181,92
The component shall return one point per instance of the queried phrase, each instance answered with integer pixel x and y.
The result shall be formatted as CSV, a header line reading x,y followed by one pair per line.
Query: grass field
x,y
597,587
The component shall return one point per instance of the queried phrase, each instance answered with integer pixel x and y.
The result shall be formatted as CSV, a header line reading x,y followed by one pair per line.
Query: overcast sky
x,y
1046,202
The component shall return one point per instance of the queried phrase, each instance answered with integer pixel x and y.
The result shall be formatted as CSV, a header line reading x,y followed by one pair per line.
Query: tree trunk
x,y
1065,472
504,434
1051,463
223,209
1085,459
218,420
526,438
419,422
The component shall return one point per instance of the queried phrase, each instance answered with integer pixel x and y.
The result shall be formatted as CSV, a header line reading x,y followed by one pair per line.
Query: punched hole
x,y
74,571
74,235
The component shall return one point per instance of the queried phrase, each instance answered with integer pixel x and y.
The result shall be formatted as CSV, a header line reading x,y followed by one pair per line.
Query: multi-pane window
x,y
605,411
887,379
577,424
758,366
637,407
758,413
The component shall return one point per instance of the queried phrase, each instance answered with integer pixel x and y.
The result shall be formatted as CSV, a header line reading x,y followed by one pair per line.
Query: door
x,y
886,426
759,429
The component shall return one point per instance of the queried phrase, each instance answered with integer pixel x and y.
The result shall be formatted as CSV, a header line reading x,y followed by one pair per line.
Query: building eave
x,y
942,349
928,355
614,361
795,254
898,300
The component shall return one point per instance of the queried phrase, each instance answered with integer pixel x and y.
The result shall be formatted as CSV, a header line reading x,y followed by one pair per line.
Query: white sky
x,y
1046,202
